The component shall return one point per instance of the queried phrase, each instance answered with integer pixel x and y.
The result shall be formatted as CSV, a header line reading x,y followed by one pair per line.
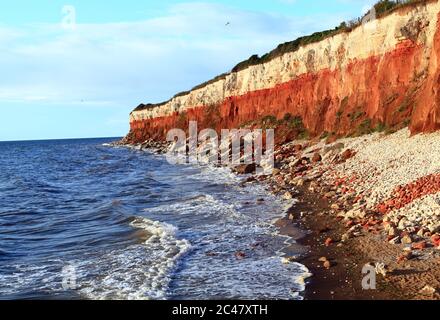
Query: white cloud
x,y
138,61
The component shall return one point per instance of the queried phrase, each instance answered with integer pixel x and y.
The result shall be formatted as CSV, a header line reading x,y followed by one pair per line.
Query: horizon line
x,y
58,139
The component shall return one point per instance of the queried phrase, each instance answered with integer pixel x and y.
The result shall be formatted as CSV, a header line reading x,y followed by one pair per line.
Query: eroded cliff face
x,y
384,73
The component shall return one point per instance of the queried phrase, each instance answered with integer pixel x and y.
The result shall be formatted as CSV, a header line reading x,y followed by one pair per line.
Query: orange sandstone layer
x,y
397,87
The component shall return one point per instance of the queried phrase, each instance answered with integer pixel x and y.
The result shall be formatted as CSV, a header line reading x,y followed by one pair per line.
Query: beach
x,y
362,201
343,188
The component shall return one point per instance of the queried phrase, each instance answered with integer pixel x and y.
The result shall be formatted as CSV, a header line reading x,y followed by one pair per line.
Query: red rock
x,y
240,255
297,147
316,158
328,242
382,209
245,168
327,264
435,240
347,154
419,246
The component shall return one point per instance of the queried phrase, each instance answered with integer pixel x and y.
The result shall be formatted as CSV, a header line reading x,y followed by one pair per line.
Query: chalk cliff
x,y
384,73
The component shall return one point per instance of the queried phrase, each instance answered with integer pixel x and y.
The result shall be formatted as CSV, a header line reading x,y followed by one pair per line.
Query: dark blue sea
x,y
82,220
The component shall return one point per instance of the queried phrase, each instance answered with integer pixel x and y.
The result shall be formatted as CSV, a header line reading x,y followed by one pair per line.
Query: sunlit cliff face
x,y
383,73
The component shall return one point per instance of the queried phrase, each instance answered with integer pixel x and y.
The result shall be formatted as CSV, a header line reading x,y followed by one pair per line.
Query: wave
x,y
141,271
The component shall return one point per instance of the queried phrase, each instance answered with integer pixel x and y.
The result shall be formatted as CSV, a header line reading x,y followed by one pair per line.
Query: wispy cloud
x,y
138,61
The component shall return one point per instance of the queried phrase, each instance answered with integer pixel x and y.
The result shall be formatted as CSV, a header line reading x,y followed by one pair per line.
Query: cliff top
x,y
383,8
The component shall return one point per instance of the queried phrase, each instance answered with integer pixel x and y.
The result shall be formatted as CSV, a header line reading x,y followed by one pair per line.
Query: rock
x,y
407,255
428,290
335,147
330,194
381,269
327,264
287,260
245,168
395,240
291,217
392,232
328,241
402,224
335,206
251,179
421,232
287,196
240,255
345,237
357,213
300,182
297,147
435,240
347,154
324,229
322,259
211,254
406,239
295,163
313,186
316,158
419,245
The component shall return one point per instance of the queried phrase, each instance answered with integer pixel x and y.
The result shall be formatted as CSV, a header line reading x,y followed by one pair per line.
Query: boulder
x,y
328,241
240,255
419,245
406,239
245,168
316,158
287,196
297,147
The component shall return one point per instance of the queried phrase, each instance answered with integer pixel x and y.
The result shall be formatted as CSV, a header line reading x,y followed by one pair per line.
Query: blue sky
x,y
58,82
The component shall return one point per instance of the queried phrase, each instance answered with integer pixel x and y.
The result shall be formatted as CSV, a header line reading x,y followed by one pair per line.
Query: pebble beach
x,y
368,200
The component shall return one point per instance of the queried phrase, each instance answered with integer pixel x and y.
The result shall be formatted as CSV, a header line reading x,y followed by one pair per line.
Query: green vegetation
x,y
405,105
380,127
383,8
391,99
324,135
339,115
364,128
269,122
356,115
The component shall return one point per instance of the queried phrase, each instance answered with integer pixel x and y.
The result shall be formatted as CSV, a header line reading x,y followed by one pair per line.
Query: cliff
x,y
383,74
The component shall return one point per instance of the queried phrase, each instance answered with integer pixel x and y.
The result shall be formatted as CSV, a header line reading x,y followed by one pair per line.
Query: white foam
x,y
141,271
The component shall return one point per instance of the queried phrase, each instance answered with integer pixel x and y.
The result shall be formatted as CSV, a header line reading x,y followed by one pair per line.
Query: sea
x,y
80,219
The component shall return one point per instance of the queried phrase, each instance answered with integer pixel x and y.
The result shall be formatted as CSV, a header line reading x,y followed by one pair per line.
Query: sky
x,y
77,69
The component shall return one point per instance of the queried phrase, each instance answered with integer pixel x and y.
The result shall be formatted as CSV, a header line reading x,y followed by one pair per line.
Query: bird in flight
x,y
227,24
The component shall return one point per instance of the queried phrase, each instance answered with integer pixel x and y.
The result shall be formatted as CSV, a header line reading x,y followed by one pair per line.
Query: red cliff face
x,y
393,88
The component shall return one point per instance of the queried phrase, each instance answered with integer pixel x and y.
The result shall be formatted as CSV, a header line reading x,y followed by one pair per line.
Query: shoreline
x,y
338,244
343,280
348,230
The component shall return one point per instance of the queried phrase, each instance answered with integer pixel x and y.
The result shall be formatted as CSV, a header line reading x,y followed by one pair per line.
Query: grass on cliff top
x,y
383,8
